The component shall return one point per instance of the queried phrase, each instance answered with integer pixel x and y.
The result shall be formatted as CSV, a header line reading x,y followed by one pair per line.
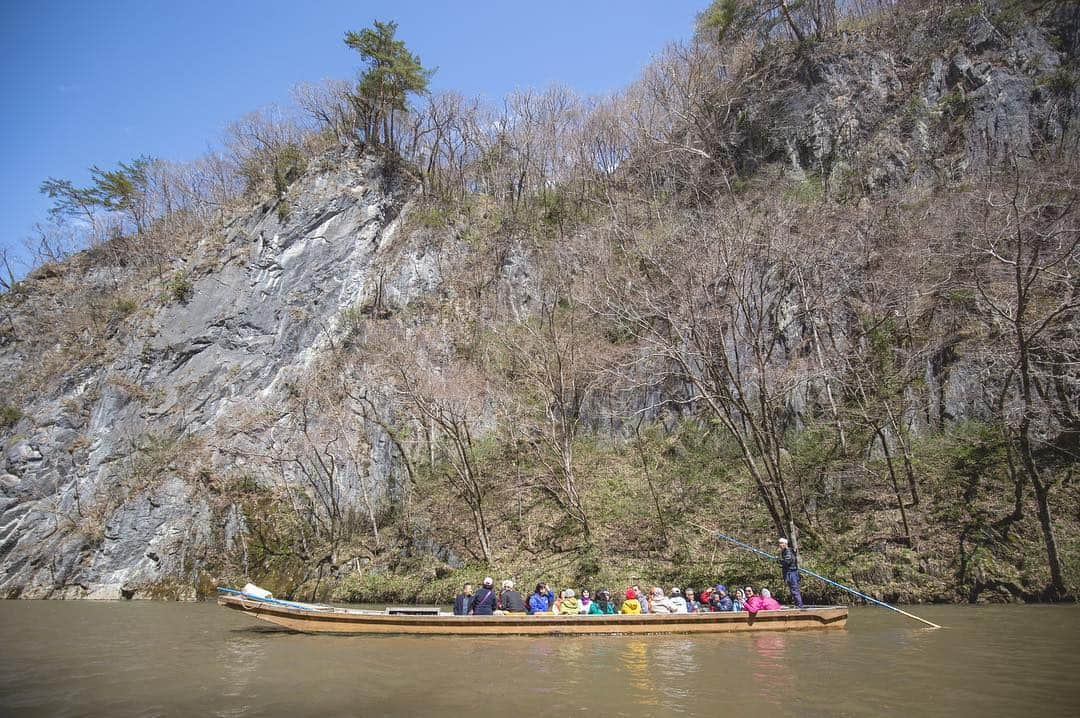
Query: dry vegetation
x,y
704,336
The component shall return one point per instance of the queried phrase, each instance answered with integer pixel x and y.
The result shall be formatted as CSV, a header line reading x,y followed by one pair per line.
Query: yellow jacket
x,y
631,606
568,607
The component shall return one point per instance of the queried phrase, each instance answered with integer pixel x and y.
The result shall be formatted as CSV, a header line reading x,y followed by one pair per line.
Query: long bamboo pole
x,y
808,572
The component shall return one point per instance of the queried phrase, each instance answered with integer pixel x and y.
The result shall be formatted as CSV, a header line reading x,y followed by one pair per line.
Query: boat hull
x,y
342,621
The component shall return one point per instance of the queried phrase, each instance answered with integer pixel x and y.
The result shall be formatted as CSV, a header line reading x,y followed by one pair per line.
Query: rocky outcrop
x,y
101,494
863,117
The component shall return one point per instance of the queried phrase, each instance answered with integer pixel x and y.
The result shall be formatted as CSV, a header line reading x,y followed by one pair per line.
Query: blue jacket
x,y
541,602
725,604
461,604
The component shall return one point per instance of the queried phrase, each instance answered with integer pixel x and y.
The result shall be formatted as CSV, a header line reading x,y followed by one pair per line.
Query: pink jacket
x,y
753,604
769,604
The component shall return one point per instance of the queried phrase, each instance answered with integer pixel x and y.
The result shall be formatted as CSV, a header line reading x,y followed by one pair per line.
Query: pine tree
x,y
393,72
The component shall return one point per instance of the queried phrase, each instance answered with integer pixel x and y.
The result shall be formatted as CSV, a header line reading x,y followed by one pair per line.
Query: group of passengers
x,y
486,602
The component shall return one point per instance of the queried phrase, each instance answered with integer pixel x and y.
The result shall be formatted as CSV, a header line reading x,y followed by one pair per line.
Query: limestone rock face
x,y
863,118
77,516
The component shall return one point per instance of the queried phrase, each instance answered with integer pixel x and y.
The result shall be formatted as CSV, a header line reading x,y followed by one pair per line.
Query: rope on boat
x,y
808,572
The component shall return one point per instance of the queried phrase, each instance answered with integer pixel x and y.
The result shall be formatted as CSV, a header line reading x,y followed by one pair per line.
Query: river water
x,y
151,659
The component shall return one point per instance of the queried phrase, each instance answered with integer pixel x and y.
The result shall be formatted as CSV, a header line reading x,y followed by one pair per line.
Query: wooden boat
x,y
315,618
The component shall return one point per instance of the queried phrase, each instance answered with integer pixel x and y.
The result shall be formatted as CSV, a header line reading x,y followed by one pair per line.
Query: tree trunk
x,y
896,487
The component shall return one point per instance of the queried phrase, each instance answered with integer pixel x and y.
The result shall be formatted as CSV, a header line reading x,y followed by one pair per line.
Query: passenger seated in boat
x,y
585,602
678,603
642,598
541,600
659,603
510,601
721,599
768,603
461,603
631,606
705,598
569,605
602,605
752,602
739,602
692,605
485,601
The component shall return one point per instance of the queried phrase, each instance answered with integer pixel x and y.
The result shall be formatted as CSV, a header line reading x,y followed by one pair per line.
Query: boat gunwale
x,y
823,617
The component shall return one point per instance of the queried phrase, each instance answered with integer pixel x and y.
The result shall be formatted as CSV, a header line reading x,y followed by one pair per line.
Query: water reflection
x,y
160,659
771,669
634,661
239,659
677,661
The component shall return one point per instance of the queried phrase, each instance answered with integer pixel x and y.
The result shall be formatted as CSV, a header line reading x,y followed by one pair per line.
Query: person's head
x,y
689,594
675,592
657,592
739,594
585,595
765,593
721,589
782,541
631,593
467,589
568,593
507,585
489,582
749,591
604,595
539,588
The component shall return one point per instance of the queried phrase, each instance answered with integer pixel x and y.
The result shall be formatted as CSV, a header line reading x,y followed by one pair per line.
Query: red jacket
x,y
753,604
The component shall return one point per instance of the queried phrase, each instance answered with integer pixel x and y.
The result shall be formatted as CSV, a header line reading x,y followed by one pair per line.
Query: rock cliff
x,y
149,449
81,517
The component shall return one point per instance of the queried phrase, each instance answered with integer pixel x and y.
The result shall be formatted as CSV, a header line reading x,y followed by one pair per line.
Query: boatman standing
x,y
789,564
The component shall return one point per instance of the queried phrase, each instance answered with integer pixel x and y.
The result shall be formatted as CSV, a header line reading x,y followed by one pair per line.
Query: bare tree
x,y
557,364
720,315
7,266
1025,254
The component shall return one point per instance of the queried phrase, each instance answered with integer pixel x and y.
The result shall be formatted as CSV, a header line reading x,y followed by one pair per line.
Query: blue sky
x,y
95,82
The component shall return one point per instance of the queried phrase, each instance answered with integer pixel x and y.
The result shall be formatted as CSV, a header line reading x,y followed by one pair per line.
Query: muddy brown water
x,y
161,659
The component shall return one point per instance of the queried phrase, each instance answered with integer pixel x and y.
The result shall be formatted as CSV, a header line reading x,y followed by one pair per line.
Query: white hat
x,y
508,584
488,581
765,593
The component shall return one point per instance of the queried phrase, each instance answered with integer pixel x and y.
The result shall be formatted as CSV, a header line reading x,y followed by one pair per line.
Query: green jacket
x,y
595,608
568,607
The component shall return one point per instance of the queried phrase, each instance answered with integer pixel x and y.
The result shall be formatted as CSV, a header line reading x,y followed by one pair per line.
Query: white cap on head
x,y
783,542
489,581
568,593
676,592
765,593
508,584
